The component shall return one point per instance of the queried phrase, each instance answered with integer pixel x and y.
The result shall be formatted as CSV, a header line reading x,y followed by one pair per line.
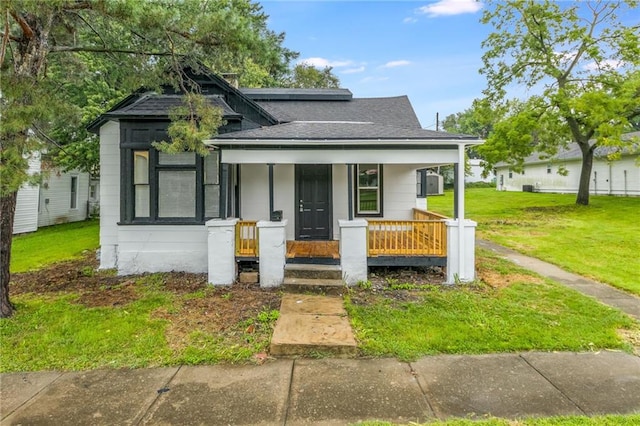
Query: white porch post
x,y
353,250
221,251
457,270
460,234
272,250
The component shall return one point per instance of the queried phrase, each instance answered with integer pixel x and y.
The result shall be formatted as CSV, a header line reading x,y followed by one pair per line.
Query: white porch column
x,y
272,250
353,250
222,251
461,268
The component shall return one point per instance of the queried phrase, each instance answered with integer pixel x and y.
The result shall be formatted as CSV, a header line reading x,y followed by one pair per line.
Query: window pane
x,y
368,201
177,194
188,158
211,169
142,201
212,200
141,167
74,192
368,175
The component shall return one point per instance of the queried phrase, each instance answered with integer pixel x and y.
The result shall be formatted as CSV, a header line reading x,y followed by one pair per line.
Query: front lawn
x,y
53,244
600,241
510,310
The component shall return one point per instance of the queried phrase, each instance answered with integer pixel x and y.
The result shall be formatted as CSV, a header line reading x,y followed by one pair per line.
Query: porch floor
x,y
313,249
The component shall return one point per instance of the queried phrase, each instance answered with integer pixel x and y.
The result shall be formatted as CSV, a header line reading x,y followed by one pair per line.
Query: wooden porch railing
x,y
407,238
246,239
419,214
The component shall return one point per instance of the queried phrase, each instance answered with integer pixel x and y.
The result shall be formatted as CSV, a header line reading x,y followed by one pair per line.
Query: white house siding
x,y
109,194
476,169
55,198
340,200
399,186
162,248
607,178
26,216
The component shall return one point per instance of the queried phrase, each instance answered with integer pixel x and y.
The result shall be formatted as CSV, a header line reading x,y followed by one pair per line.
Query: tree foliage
x,y
64,61
583,63
309,77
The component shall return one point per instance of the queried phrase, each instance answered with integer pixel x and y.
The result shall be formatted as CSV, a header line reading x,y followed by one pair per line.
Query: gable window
x,y
368,190
182,188
510,174
74,192
548,169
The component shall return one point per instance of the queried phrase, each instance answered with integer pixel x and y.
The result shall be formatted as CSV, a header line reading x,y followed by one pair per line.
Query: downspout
x,y
610,182
270,191
460,179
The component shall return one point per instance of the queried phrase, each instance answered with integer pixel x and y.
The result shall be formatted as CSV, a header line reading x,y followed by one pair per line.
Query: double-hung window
x,y
368,190
166,188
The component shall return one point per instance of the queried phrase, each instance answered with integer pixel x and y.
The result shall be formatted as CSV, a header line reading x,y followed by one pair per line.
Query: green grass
x,y
600,241
610,420
57,332
528,314
53,244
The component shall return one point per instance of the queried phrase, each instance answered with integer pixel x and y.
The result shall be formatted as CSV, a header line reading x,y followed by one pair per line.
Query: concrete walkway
x,y
329,391
604,293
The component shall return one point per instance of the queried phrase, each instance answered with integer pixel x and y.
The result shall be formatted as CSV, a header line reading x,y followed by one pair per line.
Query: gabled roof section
x,y
340,130
154,105
142,104
393,111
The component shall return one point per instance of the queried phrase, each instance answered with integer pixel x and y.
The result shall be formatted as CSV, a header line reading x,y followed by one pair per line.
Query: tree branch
x,y
5,39
24,25
106,50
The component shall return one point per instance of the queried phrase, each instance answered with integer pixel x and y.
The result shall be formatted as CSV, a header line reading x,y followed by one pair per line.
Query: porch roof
x,y
339,132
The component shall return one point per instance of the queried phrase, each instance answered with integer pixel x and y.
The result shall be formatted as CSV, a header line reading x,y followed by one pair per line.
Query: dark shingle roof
x,y
393,111
335,130
154,105
272,94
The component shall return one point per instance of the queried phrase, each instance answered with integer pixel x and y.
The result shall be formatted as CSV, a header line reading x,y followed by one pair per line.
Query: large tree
x,y
51,51
582,63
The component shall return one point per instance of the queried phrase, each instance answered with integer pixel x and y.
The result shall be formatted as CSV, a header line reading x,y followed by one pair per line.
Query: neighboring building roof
x,y
395,111
336,130
573,152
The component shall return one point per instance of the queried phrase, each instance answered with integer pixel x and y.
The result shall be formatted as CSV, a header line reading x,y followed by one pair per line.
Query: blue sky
x,y
429,51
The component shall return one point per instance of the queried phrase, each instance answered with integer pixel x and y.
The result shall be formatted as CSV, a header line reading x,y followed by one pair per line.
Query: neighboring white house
x,y
618,177
289,165
59,198
475,173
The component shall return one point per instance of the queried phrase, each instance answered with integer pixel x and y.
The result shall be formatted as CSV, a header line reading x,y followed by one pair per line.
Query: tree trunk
x,y
7,214
585,175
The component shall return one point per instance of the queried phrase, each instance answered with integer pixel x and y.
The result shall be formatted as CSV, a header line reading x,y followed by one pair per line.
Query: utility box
x,y
435,184
527,188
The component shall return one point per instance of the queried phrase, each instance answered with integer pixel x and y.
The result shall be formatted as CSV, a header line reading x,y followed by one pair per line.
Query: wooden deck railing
x,y
407,238
419,214
246,239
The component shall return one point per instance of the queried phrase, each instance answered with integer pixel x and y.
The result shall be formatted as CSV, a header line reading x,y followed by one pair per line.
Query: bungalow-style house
x,y
541,174
293,176
60,197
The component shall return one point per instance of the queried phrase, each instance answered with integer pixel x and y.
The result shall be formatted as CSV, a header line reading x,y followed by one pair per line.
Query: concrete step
x,y
312,285
310,325
313,271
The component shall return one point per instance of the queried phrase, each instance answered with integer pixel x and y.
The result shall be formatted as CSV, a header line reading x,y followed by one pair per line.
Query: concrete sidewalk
x,y
604,293
330,391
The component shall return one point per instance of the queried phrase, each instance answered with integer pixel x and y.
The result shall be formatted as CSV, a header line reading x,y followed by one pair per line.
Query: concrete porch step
x,y
313,271
310,285
310,324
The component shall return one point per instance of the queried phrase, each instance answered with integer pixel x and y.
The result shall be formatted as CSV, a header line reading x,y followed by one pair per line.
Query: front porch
x,y
416,242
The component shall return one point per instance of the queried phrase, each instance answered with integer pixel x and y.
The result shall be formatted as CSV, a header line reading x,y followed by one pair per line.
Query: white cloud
x,y
394,64
352,70
410,20
322,62
609,64
450,8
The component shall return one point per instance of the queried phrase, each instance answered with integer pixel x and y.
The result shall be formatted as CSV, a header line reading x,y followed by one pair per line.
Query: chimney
x,y
232,78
